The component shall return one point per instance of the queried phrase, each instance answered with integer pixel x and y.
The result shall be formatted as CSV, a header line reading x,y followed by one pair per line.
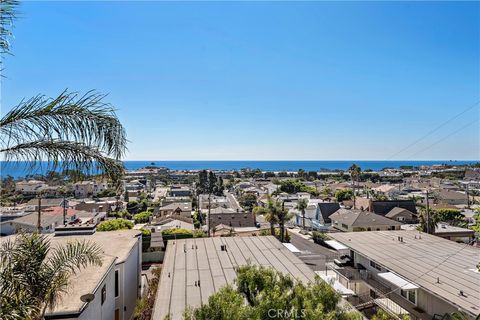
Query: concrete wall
x,y
129,280
95,309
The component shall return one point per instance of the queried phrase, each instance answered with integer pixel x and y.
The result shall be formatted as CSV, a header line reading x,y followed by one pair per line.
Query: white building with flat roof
x,y
410,272
115,285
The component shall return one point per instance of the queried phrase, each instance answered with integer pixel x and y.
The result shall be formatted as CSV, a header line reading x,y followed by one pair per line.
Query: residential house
x,y
384,207
402,215
180,191
49,218
105,292
410,273
30,187
449,232
177,208
451,197
360,220
47,203
231,217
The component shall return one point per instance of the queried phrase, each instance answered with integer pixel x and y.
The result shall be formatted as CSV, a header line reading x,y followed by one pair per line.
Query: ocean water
x,y
19,170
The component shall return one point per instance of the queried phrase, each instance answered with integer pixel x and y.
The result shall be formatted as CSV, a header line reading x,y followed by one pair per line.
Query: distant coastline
x,y
18,170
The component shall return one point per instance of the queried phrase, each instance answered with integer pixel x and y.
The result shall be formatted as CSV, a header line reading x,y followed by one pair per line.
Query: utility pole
x,y
428,216
39,216
354,196
208,218
468,197
64,209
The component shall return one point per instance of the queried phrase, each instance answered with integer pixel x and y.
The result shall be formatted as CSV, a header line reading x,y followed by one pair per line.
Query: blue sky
x,y
263,80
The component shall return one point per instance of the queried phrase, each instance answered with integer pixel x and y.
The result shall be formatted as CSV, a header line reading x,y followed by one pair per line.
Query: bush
x,y
146,232
199,234
266,232
343,194
142,217
294,186
107,193
144,307
319,237
176,231
112,225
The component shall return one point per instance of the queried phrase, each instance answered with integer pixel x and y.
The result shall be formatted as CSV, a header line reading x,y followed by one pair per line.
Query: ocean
x,y
18,170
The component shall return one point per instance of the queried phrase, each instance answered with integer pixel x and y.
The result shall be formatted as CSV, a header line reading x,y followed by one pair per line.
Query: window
x,y
412,296
104,293
116,283
117,314
374,265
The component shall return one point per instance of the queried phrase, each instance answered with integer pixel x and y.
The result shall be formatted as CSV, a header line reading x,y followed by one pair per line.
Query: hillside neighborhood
x,y
401,242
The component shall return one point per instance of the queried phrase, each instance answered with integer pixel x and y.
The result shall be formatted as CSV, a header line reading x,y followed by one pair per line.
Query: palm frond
x,y
64,154
70,116
74,256
8,13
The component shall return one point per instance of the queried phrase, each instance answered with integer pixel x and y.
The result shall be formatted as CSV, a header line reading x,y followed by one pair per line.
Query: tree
x,y
428,222
8,13
301,174
270,294
142,217
343,194
355,172
248,201
302,204
71,131
33,275
294,186
116,224
283,215
269,212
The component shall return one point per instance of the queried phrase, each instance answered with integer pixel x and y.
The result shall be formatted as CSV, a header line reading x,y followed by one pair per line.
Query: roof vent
x,y
223,247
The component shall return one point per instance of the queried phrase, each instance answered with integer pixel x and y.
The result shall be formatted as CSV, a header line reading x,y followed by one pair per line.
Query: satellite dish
x,y
87,297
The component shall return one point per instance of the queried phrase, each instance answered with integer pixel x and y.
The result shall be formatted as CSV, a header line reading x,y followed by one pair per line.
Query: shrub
x,y
142,217
112,225
144,307
176,231
343,194
319,237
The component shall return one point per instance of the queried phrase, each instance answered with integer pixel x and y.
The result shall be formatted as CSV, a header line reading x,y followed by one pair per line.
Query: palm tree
x,y
354,171
72,131
269,212
283,215
33,275
8,13
302,204
428,223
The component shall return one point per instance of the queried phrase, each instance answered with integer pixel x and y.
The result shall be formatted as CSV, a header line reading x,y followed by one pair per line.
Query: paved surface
x,y
232,200
314,255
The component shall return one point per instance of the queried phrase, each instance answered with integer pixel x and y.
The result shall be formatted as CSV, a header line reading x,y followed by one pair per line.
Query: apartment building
x,y
108,291
410,273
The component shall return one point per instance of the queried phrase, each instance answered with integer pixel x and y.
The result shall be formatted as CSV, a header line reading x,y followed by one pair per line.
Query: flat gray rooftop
x,y
189,260
422,260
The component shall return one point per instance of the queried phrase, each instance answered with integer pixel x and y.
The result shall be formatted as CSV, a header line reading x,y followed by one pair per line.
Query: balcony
x,y
382,294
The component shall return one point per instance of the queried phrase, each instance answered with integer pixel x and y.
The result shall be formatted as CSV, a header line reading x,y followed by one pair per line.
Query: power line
x,y
444,138
434,130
